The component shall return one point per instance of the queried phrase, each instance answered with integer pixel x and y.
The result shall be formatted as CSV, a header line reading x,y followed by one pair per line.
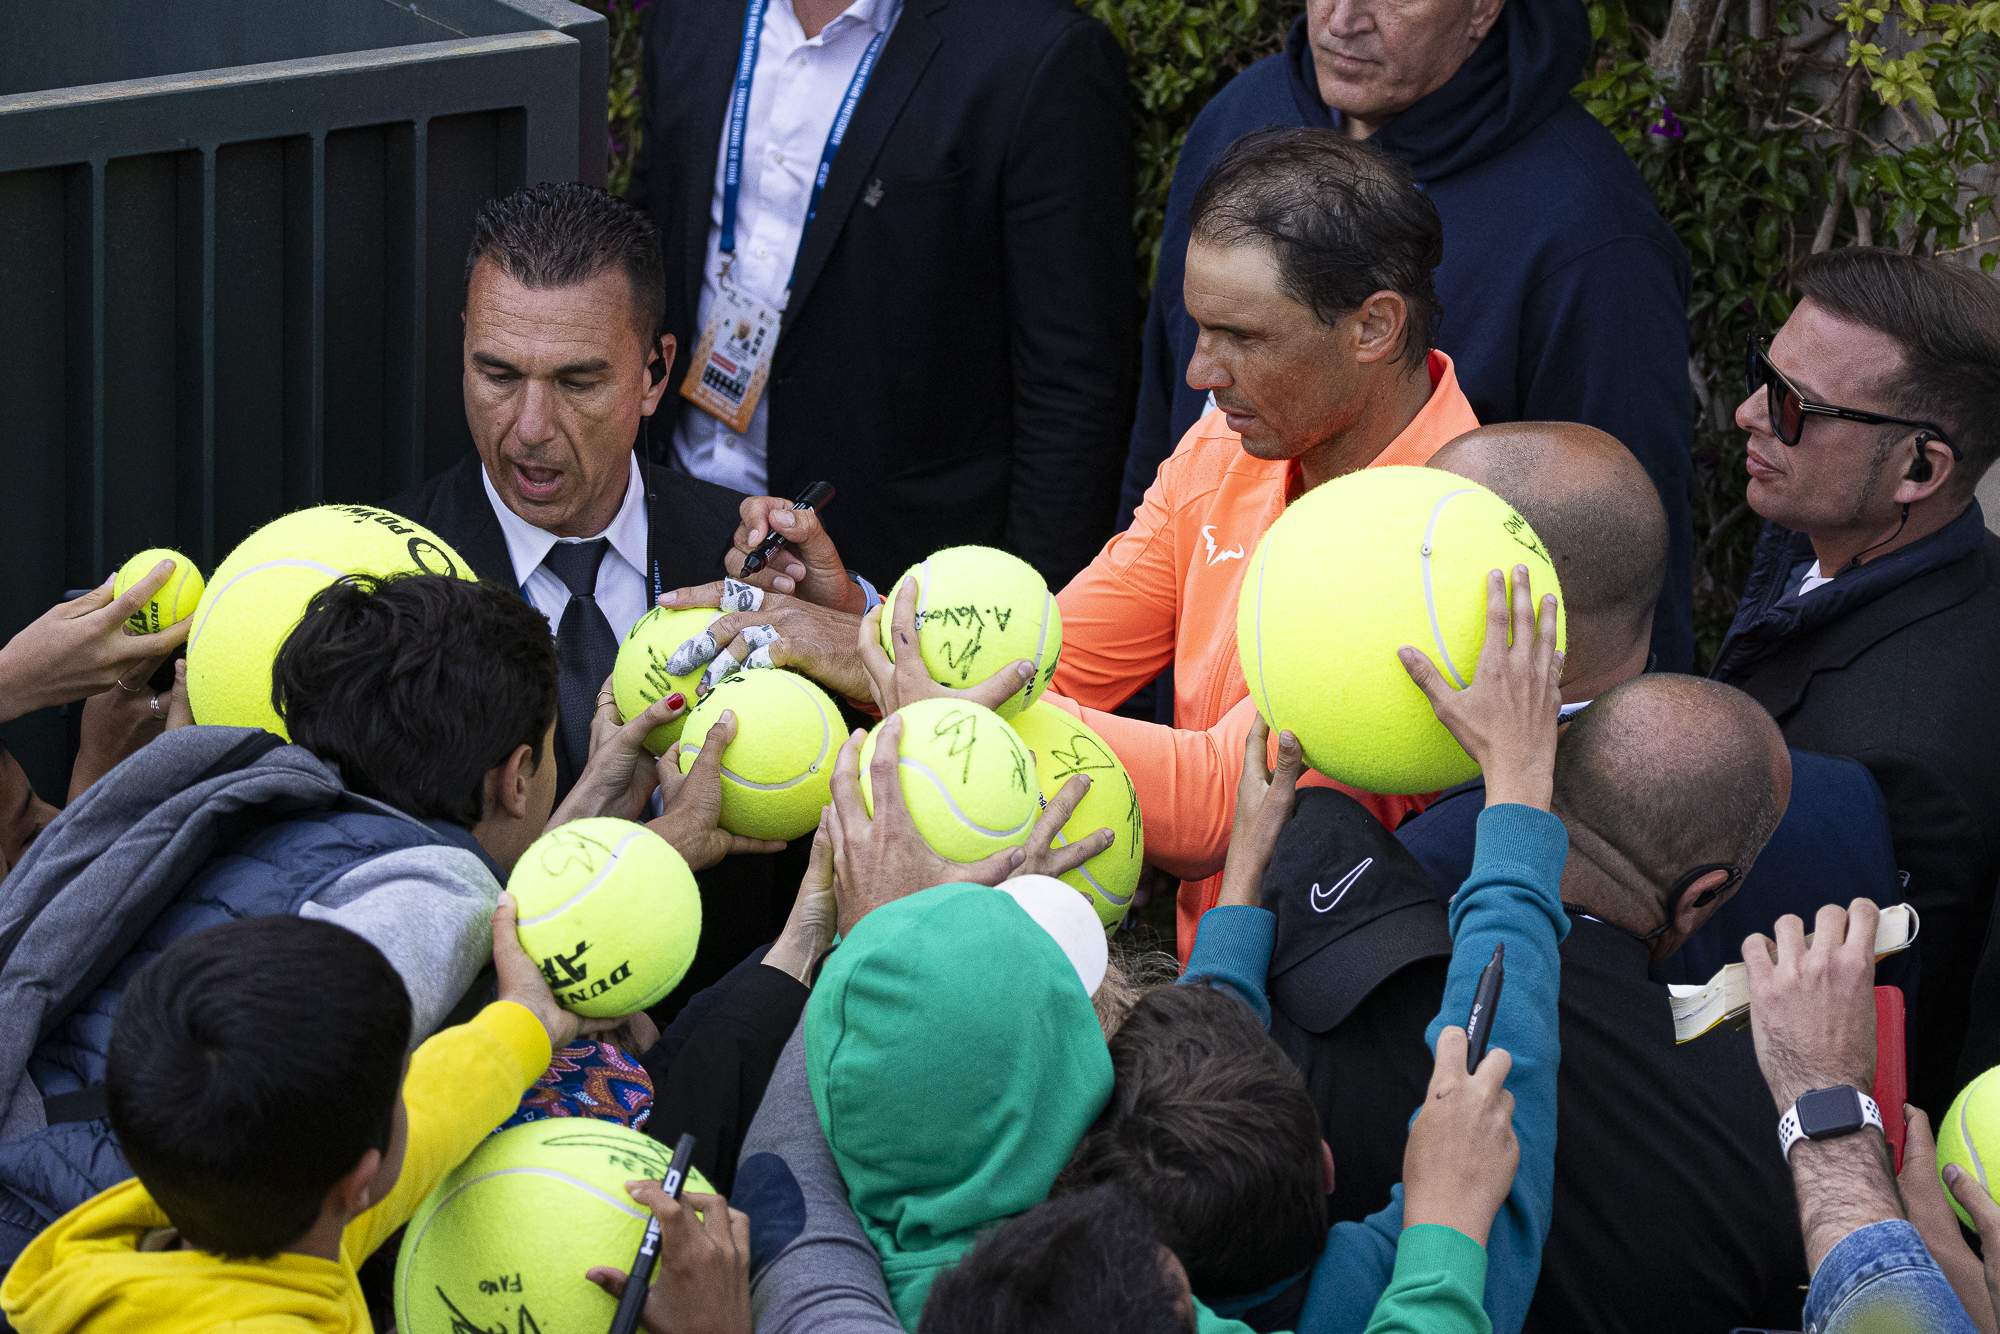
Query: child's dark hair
x,y
1211,1127
251,1067
1085,1263
417,686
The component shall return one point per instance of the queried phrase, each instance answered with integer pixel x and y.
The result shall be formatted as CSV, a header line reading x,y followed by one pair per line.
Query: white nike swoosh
x,y
1333,896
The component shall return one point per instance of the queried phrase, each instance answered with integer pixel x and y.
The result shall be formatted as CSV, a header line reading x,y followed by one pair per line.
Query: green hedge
x,y
1867,120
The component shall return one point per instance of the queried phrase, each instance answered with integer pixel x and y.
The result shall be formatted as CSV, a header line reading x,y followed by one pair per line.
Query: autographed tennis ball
x,y
1349,573
176,599
1064,747
639,677
777,775
1969,1135
980,609
505,1240
968,778
610,912
256,596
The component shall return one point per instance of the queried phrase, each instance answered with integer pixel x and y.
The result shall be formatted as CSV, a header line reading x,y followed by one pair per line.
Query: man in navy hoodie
x,y
1565,294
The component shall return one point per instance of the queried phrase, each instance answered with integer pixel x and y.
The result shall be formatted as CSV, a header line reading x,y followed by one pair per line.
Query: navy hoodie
x,y
1564,293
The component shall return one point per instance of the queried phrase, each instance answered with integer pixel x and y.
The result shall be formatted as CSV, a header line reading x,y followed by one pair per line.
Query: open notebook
x,y
1726,996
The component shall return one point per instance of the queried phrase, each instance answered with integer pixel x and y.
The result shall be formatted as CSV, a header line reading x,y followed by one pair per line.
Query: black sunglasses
x,y
1789,408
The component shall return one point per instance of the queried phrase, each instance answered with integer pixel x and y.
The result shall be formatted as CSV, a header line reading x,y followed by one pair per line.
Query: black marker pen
x,y
639,1281
1485,1000
817,496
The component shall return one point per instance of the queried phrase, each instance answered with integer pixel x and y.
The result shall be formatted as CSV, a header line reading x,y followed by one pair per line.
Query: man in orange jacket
x,y
1309,274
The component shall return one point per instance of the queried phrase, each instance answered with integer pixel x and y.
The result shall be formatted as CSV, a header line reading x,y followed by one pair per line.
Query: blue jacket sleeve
x,y
1513,896
1882,1277
1232,949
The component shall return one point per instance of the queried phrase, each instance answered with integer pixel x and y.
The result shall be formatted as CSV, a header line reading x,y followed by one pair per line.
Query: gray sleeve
x,y
811,1266
430,911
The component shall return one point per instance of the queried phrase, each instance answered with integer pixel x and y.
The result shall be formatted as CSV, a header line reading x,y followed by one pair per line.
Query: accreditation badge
x,y
733,359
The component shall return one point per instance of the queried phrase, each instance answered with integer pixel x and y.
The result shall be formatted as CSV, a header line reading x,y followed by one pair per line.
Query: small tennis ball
x,y
1969,1135
968,778
980,609
176,599
610,912
256,596
1354,570
1065,747
504,1241
639,678
777,775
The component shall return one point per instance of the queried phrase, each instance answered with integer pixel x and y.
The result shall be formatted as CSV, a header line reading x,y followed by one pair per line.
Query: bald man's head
x,y
1596,511
1666,773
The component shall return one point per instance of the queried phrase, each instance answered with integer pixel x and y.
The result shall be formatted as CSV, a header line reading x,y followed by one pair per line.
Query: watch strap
x,y
1790,1131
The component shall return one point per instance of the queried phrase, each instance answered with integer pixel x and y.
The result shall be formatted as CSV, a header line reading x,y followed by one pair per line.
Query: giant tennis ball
x,y
968,778
1349,573
175,600
777,775
504,1241
1065,747
610,912
1969,1135
256,596
980,609
639,678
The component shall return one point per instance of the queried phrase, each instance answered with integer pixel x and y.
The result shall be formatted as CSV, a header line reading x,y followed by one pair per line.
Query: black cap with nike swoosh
x,y
1353,908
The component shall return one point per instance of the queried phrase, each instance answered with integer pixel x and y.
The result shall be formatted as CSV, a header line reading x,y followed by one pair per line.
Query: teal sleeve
x,y
1440,1274
1514,894
1232,949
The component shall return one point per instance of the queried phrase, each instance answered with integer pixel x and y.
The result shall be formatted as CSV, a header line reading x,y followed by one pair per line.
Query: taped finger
x,y
759,636
739,596
724,667
692,654
759,659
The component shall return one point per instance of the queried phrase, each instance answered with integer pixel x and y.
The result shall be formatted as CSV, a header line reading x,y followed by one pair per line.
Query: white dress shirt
x,y
794,95
623,593
1814,579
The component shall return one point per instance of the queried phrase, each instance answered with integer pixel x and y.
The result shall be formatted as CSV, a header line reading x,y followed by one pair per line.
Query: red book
x,y
1891,1083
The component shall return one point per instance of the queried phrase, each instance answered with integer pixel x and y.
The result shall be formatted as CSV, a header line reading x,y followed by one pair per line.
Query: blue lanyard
x,y
739,115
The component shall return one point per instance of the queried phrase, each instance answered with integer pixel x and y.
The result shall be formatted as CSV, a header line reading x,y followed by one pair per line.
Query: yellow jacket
x,y
112,1263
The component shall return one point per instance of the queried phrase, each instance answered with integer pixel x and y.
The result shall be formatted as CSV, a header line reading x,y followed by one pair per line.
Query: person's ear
x,y
510,784
659,361
1379,323
1326,1165
353,1194
1699,901
1930,467
1485,13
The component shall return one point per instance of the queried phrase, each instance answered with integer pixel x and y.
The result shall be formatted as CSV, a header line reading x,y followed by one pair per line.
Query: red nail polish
x,y
677,700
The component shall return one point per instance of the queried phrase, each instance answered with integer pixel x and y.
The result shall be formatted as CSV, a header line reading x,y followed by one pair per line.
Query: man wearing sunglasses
x,y
1870,622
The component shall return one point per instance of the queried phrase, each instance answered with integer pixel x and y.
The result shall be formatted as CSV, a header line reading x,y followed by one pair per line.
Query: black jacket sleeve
x,y
1072,303
710,1067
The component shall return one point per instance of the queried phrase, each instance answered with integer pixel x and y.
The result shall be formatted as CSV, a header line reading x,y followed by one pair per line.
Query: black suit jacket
x,y
958,354
743,899
1908,683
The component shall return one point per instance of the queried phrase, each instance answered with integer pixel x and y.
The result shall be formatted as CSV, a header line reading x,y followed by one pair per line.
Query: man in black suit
x,y
1870,624
564,361
947,322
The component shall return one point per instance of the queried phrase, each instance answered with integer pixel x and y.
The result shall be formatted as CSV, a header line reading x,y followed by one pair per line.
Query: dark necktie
x,y
585,650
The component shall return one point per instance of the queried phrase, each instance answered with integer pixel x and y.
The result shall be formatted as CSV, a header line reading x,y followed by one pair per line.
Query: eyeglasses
x,y
1789,408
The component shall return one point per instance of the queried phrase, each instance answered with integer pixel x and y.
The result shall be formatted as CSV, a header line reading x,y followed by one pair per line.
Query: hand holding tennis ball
x,y
83,647
1505,718
879,854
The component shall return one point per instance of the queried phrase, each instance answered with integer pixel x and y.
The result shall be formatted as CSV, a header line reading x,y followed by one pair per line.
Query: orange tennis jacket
x,y
1164,592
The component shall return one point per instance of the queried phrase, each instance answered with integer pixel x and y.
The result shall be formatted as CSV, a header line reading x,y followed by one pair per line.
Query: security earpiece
x,y
1920,466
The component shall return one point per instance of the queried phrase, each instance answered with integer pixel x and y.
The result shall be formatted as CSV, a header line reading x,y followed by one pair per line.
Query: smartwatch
x,y
1827,1114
